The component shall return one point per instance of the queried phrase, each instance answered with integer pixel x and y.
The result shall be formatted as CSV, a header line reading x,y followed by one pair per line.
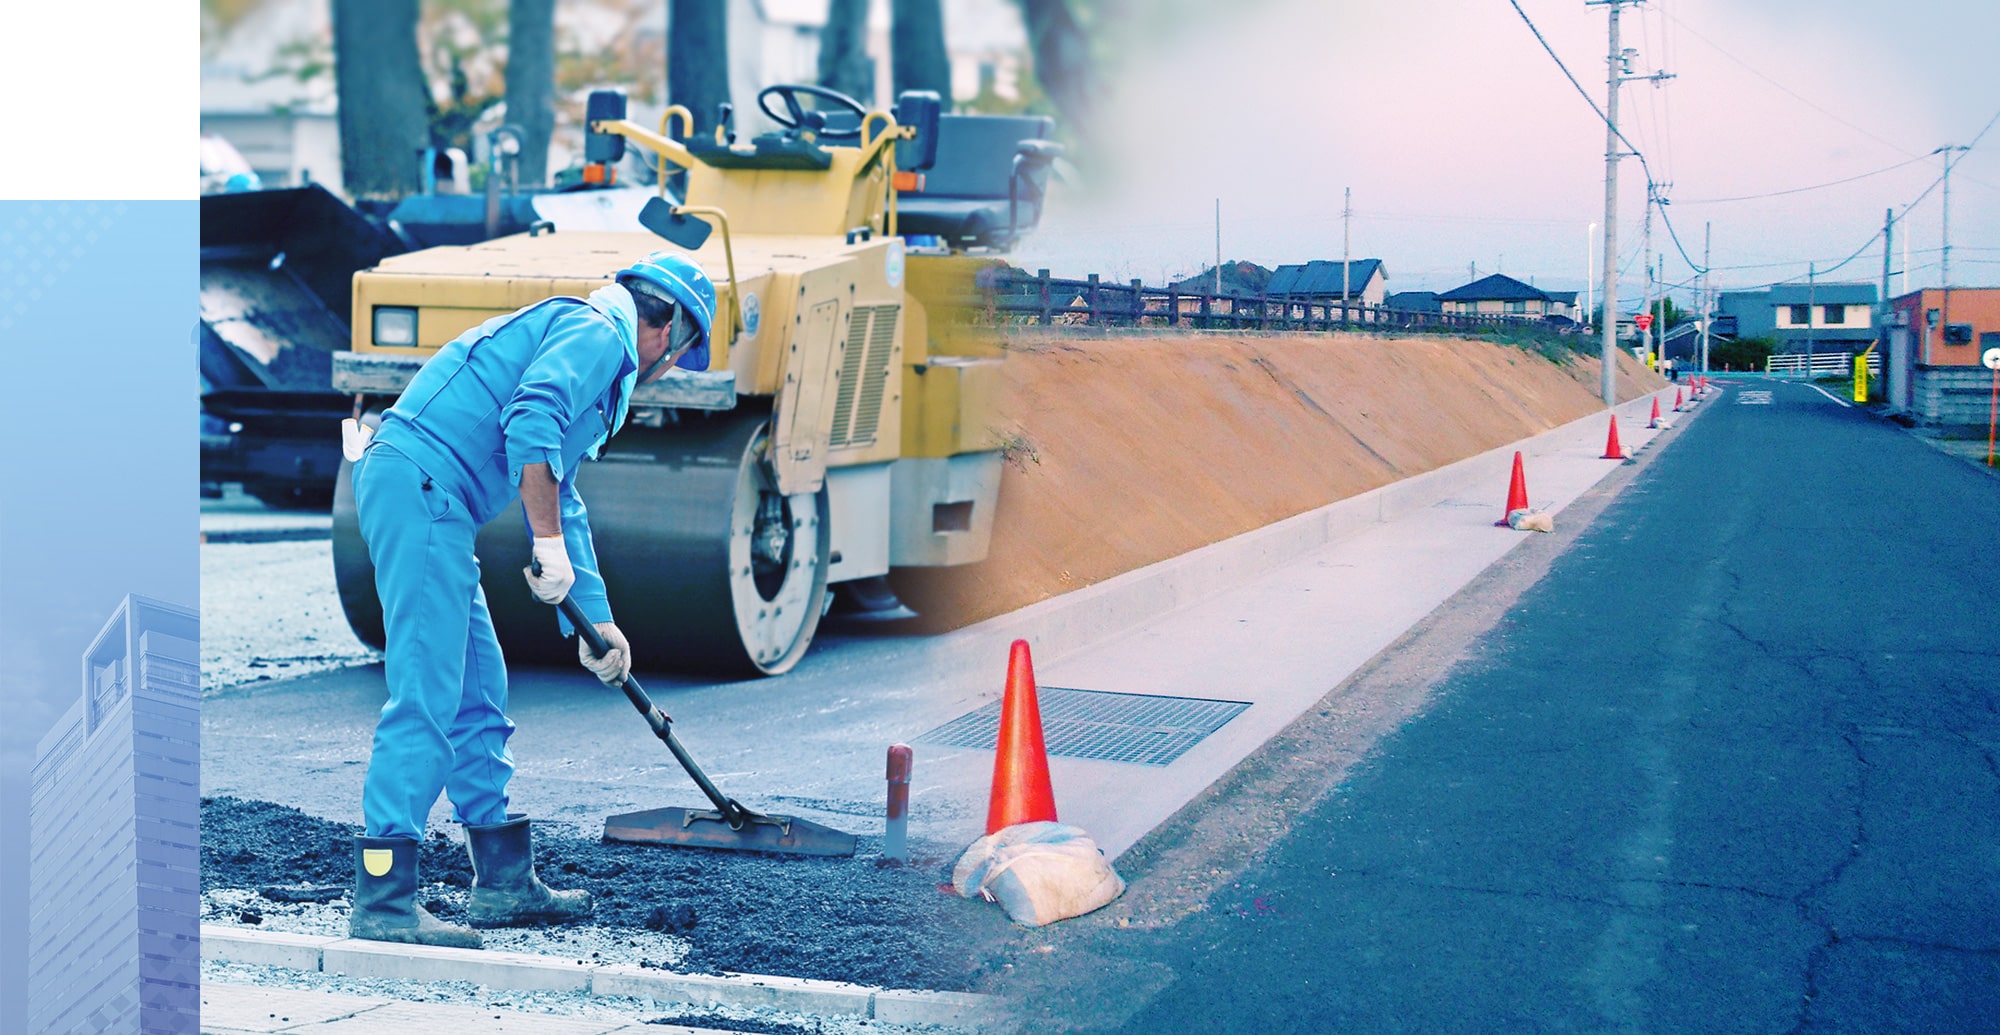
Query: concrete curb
x,y
530,972
267,535
1078,619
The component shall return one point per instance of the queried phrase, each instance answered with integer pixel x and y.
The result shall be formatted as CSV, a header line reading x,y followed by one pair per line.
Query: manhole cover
x,y
1143,729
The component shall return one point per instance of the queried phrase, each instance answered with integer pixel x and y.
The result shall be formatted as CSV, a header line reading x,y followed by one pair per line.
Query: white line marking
x,y
1844,403
1753,397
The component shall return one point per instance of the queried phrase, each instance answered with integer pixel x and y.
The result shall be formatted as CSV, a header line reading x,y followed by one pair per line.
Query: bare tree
x,y
698,58
917,58
379,86
531,83
843,53
1062,58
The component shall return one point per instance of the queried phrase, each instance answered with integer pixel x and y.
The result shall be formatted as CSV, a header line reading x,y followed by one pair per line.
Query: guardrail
x,y
1824,364
1015,297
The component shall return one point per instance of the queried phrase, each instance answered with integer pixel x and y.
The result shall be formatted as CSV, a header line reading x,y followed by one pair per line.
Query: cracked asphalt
x,y
1727,759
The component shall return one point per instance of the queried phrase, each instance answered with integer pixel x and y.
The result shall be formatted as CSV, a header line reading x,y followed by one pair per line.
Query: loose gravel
x,y
691,910
271,611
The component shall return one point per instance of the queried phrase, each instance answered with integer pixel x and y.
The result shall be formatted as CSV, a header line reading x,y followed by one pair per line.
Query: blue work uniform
x,y
546,384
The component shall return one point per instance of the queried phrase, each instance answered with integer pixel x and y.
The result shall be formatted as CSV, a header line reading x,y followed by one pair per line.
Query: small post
x,y
1206,299
1138,303
1173,307
1091,296
1043,277
896,837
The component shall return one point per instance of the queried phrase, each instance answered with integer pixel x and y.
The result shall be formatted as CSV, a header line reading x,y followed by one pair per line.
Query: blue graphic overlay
x,y
98,495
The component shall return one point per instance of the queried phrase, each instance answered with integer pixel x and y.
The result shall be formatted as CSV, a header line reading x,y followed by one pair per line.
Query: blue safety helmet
x,y
681,280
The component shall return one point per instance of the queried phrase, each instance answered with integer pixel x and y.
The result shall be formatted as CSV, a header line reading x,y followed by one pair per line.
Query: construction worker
x,y
510,407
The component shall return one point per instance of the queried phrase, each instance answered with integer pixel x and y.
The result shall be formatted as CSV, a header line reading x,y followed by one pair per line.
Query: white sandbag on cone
x,y
1526,520
1038,872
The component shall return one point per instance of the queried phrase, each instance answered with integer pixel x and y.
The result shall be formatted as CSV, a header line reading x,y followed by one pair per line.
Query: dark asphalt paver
x,y
1729,766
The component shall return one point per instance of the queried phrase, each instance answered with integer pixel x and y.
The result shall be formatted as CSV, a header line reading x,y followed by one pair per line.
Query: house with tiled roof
x,y
1319,281
1414,302
1239,278
1502,295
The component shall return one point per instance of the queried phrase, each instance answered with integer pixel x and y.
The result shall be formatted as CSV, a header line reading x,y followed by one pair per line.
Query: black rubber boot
x,y
505,890
385,898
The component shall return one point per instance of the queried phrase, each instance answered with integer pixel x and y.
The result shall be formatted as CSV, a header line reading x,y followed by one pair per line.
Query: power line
x,y
1651,181
1801,98
1802,190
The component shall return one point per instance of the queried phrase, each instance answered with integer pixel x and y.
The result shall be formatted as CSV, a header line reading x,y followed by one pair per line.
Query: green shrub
x,y
1740,353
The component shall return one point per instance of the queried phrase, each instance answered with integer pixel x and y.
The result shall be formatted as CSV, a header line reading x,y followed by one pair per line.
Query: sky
x,y
1466,148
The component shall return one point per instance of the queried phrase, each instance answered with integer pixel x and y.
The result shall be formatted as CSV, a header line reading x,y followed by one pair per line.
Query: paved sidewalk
x,y
1273,618
247,1010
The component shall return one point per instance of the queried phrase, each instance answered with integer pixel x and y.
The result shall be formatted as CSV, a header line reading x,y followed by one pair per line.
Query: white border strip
x,y
528,971
104,101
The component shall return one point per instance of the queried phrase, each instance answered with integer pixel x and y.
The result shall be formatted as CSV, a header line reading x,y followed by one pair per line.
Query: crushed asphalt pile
x,y
856,919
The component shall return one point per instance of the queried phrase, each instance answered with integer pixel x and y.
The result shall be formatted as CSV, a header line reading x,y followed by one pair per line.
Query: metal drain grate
x,y
1142,729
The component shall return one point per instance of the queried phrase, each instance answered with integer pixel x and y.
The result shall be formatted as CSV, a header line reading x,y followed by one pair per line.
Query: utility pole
x,y
1646,256
1660,310
1707,304
1613,151
1888,247
1590,269
1218,248
1945,273
1811,301
1618,68
1346,240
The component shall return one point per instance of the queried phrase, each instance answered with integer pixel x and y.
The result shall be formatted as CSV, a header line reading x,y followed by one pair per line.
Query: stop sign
x,y
1643,320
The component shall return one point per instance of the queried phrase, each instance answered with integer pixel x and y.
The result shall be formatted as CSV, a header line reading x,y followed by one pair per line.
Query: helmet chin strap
x,y
667,356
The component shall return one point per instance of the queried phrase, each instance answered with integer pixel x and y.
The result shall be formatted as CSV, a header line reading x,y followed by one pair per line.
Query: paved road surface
x,y
1732,765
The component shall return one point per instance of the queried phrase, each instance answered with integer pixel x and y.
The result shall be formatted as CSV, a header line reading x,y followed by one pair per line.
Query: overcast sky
x,y
1464,144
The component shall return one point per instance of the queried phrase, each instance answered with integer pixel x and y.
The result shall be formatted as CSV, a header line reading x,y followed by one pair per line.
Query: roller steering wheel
x,y
795,114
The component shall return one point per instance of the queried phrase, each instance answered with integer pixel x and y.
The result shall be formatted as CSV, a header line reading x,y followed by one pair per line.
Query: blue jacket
x,y
545,384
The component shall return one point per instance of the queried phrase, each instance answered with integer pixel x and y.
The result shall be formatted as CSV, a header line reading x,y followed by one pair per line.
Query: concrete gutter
x,y
1082,618
530,972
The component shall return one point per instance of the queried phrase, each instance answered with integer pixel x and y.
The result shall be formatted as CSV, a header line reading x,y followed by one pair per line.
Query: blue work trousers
x,y
445,727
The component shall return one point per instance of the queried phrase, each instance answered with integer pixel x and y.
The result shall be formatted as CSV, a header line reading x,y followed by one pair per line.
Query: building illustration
x,y
114,858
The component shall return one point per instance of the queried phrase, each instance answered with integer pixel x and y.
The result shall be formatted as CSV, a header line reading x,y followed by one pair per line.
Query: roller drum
x,y
708,569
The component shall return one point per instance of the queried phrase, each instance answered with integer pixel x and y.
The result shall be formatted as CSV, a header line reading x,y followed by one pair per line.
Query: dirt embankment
x,y
1129,450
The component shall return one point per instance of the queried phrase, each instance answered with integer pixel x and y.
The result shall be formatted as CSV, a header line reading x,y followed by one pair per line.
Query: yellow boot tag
x,y
376,861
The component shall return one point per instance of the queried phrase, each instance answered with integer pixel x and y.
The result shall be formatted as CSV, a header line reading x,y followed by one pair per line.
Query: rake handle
x,y
661,723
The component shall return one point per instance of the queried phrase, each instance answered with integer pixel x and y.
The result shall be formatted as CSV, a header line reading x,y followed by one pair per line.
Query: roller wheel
x,y
708,567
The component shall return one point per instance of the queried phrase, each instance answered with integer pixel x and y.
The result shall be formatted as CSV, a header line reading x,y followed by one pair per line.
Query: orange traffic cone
x,y
1517,493
1655,421
1021,791
1612,450
1677,400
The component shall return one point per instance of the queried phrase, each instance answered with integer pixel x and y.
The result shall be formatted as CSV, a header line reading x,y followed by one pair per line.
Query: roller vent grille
x,y
864,375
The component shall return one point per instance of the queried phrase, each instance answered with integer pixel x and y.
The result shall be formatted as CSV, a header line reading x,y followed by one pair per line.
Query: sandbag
x,y
1038,872
1531,520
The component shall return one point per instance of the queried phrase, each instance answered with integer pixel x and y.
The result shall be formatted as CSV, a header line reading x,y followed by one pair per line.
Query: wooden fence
x,y
1041,299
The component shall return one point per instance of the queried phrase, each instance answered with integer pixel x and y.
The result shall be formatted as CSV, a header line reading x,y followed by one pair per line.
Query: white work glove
x,y
552,585
616,664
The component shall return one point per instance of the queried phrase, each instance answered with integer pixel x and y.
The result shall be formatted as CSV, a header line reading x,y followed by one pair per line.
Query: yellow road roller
x,y
842,430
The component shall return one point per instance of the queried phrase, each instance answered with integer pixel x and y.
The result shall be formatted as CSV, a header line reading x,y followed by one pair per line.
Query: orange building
x,y
1949,332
